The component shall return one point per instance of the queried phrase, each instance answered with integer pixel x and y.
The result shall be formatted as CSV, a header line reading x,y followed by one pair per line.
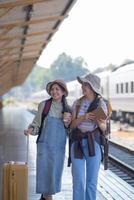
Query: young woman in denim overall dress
x,y
85,149
52,141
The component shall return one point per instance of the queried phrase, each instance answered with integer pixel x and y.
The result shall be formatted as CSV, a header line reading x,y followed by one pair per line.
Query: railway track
x,y
121,162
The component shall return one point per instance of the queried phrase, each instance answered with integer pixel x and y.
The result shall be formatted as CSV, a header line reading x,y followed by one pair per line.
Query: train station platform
x,y
13,145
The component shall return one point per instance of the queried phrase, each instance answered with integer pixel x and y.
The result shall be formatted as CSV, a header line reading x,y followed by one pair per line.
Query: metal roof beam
x,y
32,21
5,11
26,45
7,37
15,58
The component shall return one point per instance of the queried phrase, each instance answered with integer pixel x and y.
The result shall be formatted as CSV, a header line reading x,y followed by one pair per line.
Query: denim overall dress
x,y
50,156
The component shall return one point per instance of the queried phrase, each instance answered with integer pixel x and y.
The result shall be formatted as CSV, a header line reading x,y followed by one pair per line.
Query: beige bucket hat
x,y
59,82
93,80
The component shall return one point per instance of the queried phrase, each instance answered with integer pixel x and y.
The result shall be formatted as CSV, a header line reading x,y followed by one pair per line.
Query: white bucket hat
x,y
93,80
59,82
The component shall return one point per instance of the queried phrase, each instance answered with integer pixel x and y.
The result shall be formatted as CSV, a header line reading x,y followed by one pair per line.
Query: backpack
x,y
107,134
109,113
44,114
104,137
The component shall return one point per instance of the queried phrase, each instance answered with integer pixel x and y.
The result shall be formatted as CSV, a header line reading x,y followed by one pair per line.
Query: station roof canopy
x,y
26,27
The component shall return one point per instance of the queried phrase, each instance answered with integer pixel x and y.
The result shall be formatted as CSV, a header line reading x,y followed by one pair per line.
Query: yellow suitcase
x,y
15,181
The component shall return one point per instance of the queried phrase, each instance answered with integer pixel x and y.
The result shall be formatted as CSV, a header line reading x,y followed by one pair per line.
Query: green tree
x,y
67,68
64,67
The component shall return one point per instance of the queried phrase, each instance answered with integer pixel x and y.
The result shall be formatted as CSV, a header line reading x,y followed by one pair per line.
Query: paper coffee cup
x,y
66,116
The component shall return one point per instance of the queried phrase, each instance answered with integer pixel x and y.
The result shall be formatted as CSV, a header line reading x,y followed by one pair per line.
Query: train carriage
x,y
121,93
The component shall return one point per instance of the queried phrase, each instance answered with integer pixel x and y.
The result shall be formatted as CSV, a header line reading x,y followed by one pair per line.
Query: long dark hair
x,y
66,107
94,104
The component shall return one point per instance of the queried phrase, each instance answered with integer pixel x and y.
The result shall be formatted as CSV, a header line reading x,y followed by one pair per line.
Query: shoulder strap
x,y
44,114
46,107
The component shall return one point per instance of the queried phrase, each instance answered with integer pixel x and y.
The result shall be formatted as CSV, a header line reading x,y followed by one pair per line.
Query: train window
x,y
126,86
121,87
132,87
117,88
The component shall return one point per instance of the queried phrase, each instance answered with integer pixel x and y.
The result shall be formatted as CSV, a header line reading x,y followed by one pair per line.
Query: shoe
x,y
46,198
42,198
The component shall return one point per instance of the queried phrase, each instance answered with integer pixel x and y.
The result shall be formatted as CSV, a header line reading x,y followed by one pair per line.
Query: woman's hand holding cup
x,y
67,117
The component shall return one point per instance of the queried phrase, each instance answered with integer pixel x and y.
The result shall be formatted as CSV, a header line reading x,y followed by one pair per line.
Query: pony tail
x,y
63,100
65,104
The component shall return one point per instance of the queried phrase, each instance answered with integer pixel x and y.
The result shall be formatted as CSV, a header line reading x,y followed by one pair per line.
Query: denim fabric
x,y
50,156
85,173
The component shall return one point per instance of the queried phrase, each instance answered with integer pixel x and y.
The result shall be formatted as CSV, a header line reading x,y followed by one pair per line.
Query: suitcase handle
x,y
27,150
14,197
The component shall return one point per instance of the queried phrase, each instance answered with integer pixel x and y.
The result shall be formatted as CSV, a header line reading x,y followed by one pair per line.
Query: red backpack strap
x,y
46,107
45,111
